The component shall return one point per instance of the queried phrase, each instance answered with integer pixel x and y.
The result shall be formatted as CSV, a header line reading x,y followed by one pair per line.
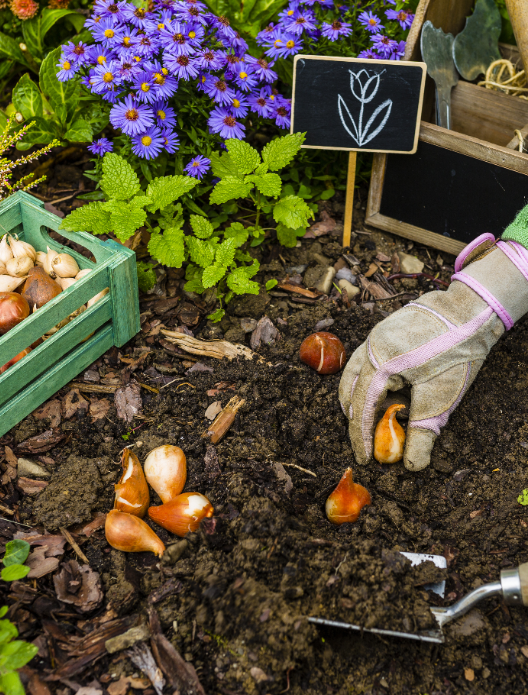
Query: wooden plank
x,y
54,348
514,142
376,185
486,114
349,202
125,294
423,236
54,379
34,327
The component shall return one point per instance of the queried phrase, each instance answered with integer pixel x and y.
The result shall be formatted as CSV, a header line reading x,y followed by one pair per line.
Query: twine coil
x,y
502,76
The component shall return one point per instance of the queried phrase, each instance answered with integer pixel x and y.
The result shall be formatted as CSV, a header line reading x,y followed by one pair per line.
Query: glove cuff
x,y
486,295
518,229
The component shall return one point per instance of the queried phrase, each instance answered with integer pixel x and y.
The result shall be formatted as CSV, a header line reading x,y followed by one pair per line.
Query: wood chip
x,y
217,348
141,656
31,487
92,388
376,290
74,545
128,402
297,289
51,410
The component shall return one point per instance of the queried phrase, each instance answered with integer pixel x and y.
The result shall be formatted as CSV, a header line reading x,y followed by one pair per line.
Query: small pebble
x,y
410,264
213,410
296,269
30,469
248,325
325,283
346,274
347,287
323,324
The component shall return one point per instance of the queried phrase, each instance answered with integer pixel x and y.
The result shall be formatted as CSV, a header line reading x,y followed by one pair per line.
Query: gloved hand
x,y
436,344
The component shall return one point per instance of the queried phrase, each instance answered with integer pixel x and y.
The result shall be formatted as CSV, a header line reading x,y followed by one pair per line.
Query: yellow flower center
x,y
108,77
161,114
290,44
236,103
243,75
196,164
97,20
277,43
161,26
372,22
192,34
66,65
145,87
146,140
137,59
126,41
101,60
290,12
159,78
272,97
164,71
203,79
109,33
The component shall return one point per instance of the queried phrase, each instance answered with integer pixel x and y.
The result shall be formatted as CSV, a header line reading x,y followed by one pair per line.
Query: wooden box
x,y
461,182
113,320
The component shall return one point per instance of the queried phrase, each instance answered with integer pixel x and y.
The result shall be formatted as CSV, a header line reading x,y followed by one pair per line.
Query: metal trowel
x,y
477,45
512,586
437,52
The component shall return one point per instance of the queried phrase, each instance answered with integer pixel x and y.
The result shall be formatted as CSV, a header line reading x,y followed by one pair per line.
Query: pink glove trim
x,y
432,311
461,258
435,423
486,295
518,257
410,360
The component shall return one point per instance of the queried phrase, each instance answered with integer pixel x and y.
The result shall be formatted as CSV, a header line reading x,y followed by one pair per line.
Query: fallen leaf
x,y
42,442
37,687
40,564
141,656
99,409
97,523
31,487
382,258
128,402
122,686
51,410
73,403
265,332
325,225
469,674
54,543
89,691
12,463
213,410
78,585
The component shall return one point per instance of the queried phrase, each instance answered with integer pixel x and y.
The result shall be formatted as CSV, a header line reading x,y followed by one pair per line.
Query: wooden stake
x,y
349,202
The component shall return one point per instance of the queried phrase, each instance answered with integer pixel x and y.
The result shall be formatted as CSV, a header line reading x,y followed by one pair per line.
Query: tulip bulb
x,y
19,267
346,502
131,534
65,282
132,493
5,250
9,284
3,270
97,297
50,255
389,438
166,471
83,273
183,514
65,266
40,259
22,248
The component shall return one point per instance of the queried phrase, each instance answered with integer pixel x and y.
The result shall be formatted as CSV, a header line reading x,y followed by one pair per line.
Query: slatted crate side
x,y
28,399
124,291
60,344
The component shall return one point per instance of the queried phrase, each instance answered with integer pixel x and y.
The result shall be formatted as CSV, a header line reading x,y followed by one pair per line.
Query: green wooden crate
x,y
112,320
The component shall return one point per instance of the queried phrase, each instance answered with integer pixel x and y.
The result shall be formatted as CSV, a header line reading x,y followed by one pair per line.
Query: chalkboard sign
x,y
353,104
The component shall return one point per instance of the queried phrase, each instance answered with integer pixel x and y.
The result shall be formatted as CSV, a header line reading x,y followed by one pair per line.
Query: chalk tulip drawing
x,y
364,88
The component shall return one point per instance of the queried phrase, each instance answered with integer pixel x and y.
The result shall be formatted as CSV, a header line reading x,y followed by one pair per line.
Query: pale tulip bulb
x,y
166,471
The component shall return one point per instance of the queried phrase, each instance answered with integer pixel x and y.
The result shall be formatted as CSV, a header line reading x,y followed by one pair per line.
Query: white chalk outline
x,y
361,134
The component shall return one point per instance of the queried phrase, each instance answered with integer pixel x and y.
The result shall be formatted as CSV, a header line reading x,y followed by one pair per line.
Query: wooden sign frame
x,y
339,59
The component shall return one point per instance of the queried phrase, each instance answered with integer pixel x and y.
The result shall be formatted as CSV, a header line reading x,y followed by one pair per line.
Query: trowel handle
x,y
518,11
514,584
523,576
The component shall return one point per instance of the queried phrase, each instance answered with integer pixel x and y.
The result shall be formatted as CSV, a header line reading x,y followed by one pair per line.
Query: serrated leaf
x,y
238,232
16,552
10,684
125,219
212,275
168,248
166,189
194,285
287,236
262,168
222,165
267,184
8,631
228,188
217,315
239,282
280,152
14,572
292,212
146,276
90,218
119,180
16,654
79,131
225,252
201,226
59,94
244,157
27,98
3,611
201,252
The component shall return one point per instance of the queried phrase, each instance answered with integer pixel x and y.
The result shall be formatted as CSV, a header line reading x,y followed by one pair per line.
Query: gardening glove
x,y
437,345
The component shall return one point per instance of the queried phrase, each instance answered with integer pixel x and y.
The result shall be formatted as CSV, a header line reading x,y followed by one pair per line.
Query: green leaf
x,y
166,189
271,284
238,232
10,684
168,248
228,188
267,184
201,226
279,152
244,157
3,611
125,218
217,315
288,236
119,180
262,169
9,49
239,281
61,95
16,552
146,276
202,252
27,98
194,285
7,631
42,132
523,498
16,654
225,252
90,218
79,131
50,17
31,31
14,572
92,195
212,275
292,212
328,193
222,165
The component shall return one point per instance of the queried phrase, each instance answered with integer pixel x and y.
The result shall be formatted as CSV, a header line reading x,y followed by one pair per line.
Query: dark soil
x,y
234,597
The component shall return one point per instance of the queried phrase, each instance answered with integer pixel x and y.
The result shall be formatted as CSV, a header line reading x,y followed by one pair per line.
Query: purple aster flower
x,y
222,122
144,86
336,29
218,90
239,107
171,141
129,69
101,146
174,38
92,21
285,46
286,15
112,95
127,43
98,54
384,45
195,34
268,35
231,63
198,166
370,54
165,115
404,17
164,85
147,46
244,77
166,18
76,54
110,8
239,45
210,60
67,70
262,69
104,77
149,143
107,33
182,66
195,3
131,117
399,51
302,20
139,17
188,12
223,25
370,22
260,103
282,113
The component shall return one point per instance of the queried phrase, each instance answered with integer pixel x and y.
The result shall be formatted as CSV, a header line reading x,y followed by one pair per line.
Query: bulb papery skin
x,y
65,282
9,284
22,248
83,273
5,251
40,259
345,503
97,297
131,534
132,493
65,266
50,255
389,437
166,471
183,514
19,267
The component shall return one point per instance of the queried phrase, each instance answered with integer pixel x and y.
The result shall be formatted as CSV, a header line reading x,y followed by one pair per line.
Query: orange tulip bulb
x,y
346,502
131,492
166,471
389,438
131,534
182,514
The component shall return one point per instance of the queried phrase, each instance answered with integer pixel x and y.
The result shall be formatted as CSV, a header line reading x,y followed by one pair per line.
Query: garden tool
x,y
437,52
477,45
518,11
512,587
